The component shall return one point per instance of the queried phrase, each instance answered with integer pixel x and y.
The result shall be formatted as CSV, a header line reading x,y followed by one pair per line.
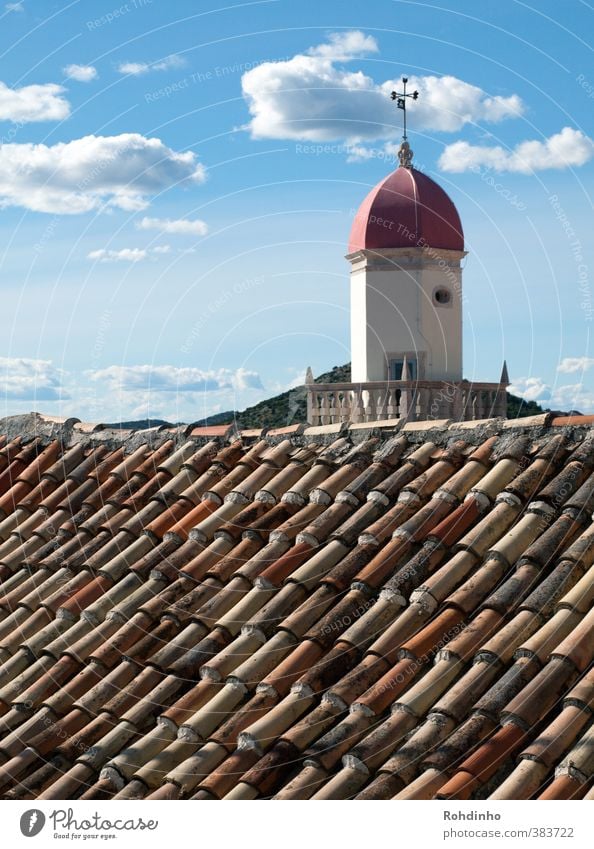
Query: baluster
x,y
413,400
358,411
457,408
352,404
332,411
325,409
382,406
467,405
496,403
345,407
487,409
314,409
370,407
423,411
502,402
391,411
404,402
483,405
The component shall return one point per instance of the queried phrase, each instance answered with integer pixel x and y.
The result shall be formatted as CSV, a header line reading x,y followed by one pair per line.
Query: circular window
x,y
442,296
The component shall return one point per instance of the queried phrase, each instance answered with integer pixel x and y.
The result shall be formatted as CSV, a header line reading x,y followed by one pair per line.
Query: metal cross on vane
x,y
400,98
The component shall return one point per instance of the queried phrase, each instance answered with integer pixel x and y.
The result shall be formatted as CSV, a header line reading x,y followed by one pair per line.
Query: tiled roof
x,y
366,613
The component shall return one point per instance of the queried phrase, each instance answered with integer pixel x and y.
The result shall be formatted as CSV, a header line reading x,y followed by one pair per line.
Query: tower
x,y
406,247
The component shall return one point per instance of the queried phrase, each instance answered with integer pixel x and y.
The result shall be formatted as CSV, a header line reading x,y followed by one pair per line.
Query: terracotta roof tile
x,y
390,619
212,431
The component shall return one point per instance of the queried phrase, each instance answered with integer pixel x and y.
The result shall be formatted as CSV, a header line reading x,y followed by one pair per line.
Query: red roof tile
x,y
394,618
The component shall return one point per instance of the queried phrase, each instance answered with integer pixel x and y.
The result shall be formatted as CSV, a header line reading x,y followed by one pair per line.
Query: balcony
x,y
418,400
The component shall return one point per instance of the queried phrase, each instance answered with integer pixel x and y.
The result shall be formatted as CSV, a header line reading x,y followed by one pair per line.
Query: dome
x,y
407,209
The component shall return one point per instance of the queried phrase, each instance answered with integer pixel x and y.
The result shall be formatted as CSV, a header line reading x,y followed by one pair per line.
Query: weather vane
x,y
405,154
400,98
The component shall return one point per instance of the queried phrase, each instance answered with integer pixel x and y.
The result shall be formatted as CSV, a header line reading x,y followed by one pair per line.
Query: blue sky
x,y
178,180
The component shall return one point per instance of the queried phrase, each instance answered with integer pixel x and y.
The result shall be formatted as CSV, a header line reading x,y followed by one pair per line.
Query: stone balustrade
x,y
420,400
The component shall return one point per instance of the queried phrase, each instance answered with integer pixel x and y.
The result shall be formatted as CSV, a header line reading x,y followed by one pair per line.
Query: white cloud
x,y
559,397
531,388
33,103
91,172
344,46
120,392
297,381
81,73
174,379
311,98
573,396
177,225
565,149
15,7
388,152
569,365
134,68
243,379
123,255
24,379
128,254
138,68
172,61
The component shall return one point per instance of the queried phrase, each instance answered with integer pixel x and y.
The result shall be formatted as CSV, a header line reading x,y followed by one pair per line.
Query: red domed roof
x,y
407,209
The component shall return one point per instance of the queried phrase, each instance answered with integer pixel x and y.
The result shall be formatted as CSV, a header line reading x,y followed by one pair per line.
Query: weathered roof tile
x,y
250,594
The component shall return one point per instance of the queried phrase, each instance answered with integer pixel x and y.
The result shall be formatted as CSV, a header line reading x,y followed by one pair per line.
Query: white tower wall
x,y
406,301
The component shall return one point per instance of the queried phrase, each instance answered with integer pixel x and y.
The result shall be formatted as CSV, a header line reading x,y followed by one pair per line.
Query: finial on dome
x,y
405,155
